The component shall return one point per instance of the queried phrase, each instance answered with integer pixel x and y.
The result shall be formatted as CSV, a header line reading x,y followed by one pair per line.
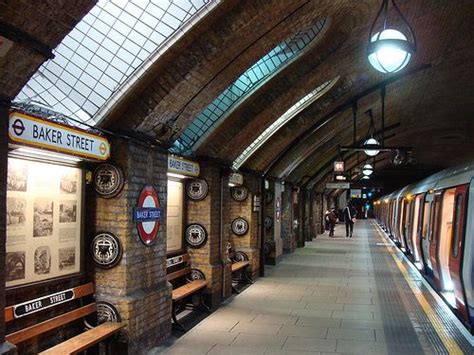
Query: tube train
x,y
432,222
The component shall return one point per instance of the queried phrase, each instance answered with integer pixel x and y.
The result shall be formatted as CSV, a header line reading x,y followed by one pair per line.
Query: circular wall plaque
x,y
108,180
195,235
241,256
194,275
106,250
268,196
239,193
240,226
197,189
268,222
106,312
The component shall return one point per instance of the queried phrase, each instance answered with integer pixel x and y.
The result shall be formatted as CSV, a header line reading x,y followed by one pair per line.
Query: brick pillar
x,y
273,234
248,243
286,221
137,286
5,347
207,213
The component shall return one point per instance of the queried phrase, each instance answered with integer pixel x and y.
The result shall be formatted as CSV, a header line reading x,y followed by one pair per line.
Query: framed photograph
x,y
44,215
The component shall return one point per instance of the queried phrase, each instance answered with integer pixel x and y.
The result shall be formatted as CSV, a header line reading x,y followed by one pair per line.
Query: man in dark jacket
x,y
349,214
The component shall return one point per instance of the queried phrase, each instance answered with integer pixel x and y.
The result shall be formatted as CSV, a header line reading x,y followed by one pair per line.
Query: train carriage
x,y
432,222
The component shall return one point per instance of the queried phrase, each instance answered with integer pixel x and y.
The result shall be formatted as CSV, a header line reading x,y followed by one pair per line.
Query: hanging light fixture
x,y
390,50
371,143
367,170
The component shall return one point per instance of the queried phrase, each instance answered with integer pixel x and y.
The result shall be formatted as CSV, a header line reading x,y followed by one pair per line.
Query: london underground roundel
x,y
148,215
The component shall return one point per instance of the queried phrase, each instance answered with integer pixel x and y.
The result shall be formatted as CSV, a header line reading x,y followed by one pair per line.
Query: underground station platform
x,y
336,295
236,176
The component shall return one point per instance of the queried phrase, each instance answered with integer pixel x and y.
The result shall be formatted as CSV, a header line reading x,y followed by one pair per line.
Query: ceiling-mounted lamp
x,y
365,177
389,50
371,144
367,170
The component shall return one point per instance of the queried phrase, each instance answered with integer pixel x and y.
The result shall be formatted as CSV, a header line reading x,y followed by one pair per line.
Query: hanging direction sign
x,y
338,185
40,133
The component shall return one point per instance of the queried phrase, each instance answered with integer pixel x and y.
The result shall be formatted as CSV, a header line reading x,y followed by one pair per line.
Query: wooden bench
x,y
74,345
187,282
239,267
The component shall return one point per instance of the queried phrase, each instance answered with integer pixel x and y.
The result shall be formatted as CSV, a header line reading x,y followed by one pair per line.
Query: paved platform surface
x,y
335,295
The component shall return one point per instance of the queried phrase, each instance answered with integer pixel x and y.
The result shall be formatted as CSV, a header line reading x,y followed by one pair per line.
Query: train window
x,y
426,218
435,220
456,227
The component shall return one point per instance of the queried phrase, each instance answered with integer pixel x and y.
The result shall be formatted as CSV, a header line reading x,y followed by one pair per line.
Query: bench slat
x,y
188,289
85,340
50,324
181,272
239,265
79,291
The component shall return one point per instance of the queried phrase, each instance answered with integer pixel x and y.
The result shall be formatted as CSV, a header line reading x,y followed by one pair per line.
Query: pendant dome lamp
x,y
389,50
371,143
367,169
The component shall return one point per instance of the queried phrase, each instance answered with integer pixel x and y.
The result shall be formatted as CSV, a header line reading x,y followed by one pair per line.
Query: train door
x,y
425,229
408,227
455,260
435,224
401,223
444,239
416,227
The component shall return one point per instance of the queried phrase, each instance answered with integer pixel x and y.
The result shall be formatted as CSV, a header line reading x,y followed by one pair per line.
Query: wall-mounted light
x,y
178,176
389,50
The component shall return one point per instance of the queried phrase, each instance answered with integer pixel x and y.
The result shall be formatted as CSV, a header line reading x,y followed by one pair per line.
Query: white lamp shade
x,y
389,57
365,177
371,152
367,169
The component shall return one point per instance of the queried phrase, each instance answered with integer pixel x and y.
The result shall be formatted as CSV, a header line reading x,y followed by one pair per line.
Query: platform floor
x,y
336,295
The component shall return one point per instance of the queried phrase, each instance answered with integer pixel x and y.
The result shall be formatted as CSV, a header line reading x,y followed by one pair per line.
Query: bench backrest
x,y
177,268
40,304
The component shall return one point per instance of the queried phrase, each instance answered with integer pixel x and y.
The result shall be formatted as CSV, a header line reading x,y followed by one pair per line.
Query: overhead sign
x,y
236,179
148,215
338,166
182,166
39,133
338,185
38,304
356,193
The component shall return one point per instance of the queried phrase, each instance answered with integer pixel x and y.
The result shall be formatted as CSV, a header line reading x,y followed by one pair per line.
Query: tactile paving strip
x,y
400,335
428,335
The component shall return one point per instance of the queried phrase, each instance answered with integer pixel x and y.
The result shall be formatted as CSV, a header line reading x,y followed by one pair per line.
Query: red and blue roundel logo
x,y
148,215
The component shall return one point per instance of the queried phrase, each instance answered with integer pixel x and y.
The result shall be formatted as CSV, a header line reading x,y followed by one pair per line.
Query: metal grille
x,y
261,71
106,47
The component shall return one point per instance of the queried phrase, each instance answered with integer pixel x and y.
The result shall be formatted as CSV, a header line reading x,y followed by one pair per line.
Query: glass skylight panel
x,y
282,120
114,40
252,78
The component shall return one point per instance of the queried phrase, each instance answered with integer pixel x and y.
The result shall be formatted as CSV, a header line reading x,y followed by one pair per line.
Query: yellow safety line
x,y
449,343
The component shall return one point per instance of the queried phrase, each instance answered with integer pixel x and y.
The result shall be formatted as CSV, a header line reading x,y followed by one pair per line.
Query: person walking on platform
x,y
349,214
332,222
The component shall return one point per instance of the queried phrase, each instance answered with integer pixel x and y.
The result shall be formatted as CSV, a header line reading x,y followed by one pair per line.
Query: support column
x,y
249,242
137,286
273,234
287,233
207,213
5,347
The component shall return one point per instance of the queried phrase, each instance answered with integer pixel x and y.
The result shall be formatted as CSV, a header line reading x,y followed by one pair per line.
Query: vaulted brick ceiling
x,y
430,110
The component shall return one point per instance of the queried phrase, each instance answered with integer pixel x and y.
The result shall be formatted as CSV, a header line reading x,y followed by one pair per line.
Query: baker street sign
x,y
36,305
36,132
